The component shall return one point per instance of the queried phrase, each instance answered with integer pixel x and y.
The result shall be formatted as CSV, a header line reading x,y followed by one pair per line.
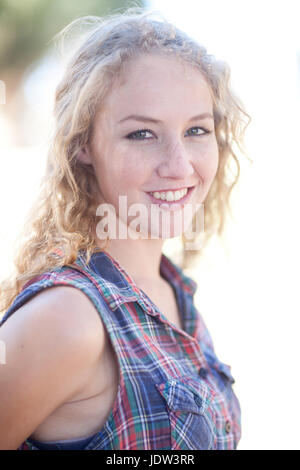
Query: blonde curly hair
x,y
62,218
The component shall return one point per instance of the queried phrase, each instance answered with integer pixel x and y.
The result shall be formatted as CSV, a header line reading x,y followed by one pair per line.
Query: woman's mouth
x,y
171,199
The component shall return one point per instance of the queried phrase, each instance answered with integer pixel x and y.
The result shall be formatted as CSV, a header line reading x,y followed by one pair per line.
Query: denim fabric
x,y
68,444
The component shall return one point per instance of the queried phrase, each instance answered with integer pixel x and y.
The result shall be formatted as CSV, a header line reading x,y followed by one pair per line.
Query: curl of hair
x,y
62,219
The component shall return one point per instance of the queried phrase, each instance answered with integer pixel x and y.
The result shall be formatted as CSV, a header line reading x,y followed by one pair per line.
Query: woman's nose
x,y
175,163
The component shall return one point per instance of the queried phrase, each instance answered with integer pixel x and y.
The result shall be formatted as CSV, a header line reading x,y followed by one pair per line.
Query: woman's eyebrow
x,y
137,117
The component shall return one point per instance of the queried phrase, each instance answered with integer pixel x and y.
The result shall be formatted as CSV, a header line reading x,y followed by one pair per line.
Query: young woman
x,y
115,355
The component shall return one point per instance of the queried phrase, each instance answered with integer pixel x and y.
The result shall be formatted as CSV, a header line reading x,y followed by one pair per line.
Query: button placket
x,y
203,372
195,353
228,427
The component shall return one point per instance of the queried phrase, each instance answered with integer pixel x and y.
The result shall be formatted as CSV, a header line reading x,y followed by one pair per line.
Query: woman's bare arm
x,y
53,345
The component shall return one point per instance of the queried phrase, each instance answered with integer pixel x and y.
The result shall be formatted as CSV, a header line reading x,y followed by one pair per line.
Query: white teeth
x,y
170,195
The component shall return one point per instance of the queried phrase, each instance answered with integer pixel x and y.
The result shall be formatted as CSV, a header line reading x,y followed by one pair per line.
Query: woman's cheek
x,y
208,161
213,167
212,159
207,168
134,170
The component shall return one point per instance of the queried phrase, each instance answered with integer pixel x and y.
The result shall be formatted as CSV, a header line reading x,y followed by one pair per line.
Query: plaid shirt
x,y
173,391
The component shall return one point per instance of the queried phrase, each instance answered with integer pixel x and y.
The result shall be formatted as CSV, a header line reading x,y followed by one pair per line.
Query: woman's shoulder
x,y
66,281
63,310
53,346
61,300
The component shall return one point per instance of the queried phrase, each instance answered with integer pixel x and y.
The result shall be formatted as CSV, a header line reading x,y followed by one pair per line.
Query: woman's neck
x,y
140,258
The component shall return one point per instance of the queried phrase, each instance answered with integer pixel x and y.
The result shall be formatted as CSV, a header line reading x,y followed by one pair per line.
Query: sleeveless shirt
x,y
173,392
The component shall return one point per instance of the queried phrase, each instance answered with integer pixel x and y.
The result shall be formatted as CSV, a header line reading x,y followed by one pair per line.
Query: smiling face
x,y
168,144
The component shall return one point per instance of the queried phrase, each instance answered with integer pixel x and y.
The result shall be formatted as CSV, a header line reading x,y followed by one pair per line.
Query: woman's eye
x,y
201,129
139,135
142,134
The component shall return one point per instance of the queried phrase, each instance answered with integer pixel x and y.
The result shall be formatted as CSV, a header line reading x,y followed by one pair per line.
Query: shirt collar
x,y
119,287
176,277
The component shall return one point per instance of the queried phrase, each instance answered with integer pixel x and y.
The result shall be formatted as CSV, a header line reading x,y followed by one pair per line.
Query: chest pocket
x,y
191,417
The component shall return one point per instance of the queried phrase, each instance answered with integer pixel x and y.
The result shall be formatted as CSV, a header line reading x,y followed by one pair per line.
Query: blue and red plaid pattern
x,y
173,391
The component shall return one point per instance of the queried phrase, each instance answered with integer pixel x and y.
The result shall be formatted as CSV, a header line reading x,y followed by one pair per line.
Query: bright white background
x,y
248,286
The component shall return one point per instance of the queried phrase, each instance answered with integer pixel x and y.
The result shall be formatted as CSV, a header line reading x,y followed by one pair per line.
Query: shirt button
x,y
203,372
198,400
227,426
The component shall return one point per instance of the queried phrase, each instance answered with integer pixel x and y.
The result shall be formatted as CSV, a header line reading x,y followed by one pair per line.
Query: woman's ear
x,y
84,155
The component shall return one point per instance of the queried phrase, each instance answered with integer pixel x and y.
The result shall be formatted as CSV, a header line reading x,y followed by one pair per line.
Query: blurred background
x,y
248,291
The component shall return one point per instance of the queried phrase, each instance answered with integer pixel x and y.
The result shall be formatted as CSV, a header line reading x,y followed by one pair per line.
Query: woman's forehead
x,y
147,65
151,80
